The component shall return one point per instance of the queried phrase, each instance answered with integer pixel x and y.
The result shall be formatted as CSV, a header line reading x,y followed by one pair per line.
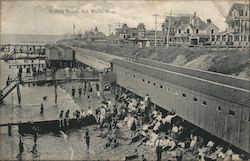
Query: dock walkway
x,y
49,77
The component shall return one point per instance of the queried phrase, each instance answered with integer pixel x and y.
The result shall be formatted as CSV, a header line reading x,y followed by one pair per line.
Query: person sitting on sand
x,y
153,136
83,114
89,112
115,142
169,118
193,142
157,126
132,156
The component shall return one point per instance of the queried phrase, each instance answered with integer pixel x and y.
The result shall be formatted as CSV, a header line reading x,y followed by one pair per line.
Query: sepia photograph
x,y
125,80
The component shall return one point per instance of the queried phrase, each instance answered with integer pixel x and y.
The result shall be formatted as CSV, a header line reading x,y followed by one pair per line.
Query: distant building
x,y
188,30
124,33
237,32
150,35
133,36
94,35
59,56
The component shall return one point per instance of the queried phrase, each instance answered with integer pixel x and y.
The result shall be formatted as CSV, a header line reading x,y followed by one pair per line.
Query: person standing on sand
x,y
143,158
80,91
61,119
21,149
73,91
67,118
158,148
41,110
87,138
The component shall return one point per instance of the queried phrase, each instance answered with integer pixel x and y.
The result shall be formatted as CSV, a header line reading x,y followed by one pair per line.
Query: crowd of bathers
x,y
151,126
160,130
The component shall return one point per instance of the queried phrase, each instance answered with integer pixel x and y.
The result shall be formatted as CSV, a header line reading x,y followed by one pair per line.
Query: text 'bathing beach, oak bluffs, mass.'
x,y
81,11
163,80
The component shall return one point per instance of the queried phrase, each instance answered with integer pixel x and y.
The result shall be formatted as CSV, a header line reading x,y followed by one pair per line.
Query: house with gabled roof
x,y
133,36
188,30
237,31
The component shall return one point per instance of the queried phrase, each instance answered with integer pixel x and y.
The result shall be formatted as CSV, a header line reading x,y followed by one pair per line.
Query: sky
x,y
56,17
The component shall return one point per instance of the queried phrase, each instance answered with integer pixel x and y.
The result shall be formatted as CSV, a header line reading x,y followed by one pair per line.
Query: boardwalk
x,y
49,77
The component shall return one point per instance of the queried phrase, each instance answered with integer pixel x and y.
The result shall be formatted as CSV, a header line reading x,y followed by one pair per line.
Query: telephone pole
x,y
155,15
169,26
119,26
244,25
109,25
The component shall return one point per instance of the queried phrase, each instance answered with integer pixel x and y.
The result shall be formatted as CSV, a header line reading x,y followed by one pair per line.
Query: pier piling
x,y
9,129
55,92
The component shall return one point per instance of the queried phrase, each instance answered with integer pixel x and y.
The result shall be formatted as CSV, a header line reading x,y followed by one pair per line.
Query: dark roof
x,y
181,22
202,24
137,39
183,26
152,32
238,6
177,21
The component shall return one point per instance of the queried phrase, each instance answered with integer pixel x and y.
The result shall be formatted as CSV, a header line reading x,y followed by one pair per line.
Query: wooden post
x,y
55,92
18,88
101,85
9,129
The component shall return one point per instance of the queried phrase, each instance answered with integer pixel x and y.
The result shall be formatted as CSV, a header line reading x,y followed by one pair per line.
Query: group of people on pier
x,y
64,117
87,88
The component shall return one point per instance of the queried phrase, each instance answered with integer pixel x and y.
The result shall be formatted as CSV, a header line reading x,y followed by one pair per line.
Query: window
x,y
184,95
232,113
212,31
143,80
160,86
218,108
241,12
188,31
154,84
204,103
195,99
148,82
134,76
197,31
179,31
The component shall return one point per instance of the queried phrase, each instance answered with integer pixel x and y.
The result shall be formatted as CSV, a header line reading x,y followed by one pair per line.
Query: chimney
x,y
209,21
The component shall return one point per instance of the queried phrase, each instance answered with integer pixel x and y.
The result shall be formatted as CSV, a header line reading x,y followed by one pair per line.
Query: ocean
x,y
30,39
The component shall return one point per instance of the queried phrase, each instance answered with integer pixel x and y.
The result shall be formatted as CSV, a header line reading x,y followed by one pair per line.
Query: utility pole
x,y
169,26
119,26
109,25
74,33
244,25
155,15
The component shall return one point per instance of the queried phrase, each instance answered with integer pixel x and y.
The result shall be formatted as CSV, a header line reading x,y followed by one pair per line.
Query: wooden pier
x,y
27,65
54,78
46,126
23,47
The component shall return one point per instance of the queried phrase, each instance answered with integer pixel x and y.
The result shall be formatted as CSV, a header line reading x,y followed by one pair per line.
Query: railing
x,y
15,79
